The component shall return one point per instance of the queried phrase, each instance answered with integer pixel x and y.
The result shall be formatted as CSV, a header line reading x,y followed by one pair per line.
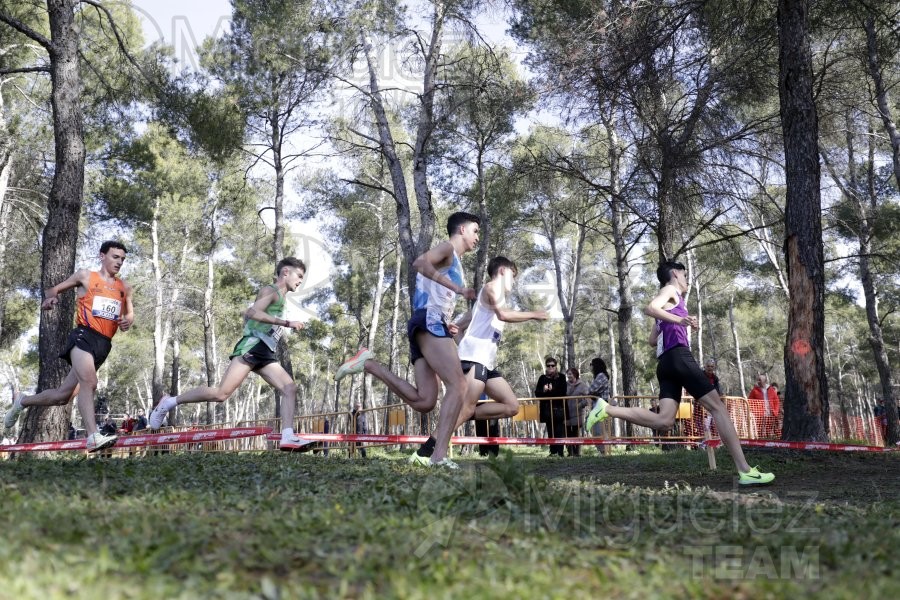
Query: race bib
x,y
106,308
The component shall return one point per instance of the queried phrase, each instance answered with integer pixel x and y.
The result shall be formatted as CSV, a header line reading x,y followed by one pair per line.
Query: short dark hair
x,y
289,261
460,218
550,358
501,261
598,365
575,372
105,246
664,270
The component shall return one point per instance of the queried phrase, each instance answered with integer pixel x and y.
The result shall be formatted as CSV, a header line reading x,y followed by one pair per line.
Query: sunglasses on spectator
x,y
551,366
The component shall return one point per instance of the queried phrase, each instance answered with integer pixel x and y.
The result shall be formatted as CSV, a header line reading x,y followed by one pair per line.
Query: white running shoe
x,y
12,415
354,365
295,443
158,414
99,441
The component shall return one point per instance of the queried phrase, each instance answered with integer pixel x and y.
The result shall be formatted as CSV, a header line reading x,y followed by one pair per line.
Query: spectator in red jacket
x,y
127,425
765,406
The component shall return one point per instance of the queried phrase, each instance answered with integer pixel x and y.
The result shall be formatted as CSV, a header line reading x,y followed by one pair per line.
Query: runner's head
x,y
504,268
670,272
291,271
112,255
466,225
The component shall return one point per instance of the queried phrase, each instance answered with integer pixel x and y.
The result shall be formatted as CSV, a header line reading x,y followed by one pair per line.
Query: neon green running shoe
x,y
754,477
417,459
597,414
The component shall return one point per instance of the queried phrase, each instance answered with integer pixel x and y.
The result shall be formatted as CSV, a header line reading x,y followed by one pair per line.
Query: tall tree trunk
x,y
210,358
60,235
159,305
175,385
625,311
695,282
281,350
737,347
876,338
210,354
5,210
881,96
484,242
395,318
412,247
806,386
376,307
613,365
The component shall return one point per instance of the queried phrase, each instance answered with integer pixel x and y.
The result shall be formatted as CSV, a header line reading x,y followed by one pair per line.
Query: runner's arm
x,y
655,308
427,264
257,310
51,295
127,318
508,315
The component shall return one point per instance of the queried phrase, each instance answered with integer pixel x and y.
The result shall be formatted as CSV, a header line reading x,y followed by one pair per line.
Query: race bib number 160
x,y
106,308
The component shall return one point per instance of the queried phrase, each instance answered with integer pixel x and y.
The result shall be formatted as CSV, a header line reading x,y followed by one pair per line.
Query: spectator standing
x,y
552,384
765,406
575,408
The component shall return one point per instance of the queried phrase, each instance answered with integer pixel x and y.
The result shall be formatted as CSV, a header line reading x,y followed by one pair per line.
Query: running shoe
x,y
597,414
99,441
417,459
445,464
295,443
12,415
354,365
754,477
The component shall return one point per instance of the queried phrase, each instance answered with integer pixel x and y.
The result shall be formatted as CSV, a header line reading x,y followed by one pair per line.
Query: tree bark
x,y
60,235
806,386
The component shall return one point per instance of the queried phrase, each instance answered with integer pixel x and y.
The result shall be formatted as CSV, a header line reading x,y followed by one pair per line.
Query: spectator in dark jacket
x,y
552,384
141,421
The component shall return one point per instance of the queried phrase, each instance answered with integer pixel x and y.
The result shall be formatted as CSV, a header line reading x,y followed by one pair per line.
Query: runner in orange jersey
x,y
104,306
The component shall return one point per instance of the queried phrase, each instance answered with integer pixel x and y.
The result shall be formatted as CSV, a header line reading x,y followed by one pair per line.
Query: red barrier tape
x,y
462,440
806,446
153,439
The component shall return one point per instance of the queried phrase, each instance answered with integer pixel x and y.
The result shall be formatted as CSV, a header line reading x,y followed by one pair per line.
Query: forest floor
x,y
641,524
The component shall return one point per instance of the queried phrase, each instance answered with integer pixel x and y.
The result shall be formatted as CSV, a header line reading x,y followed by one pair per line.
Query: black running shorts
x,y
258,356
677,369
482,373
85,338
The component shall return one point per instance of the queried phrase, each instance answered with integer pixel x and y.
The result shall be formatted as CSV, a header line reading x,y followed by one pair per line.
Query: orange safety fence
x,y
562,418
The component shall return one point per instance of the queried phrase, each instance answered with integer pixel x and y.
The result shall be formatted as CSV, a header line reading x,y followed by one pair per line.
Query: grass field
x,y
628,525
